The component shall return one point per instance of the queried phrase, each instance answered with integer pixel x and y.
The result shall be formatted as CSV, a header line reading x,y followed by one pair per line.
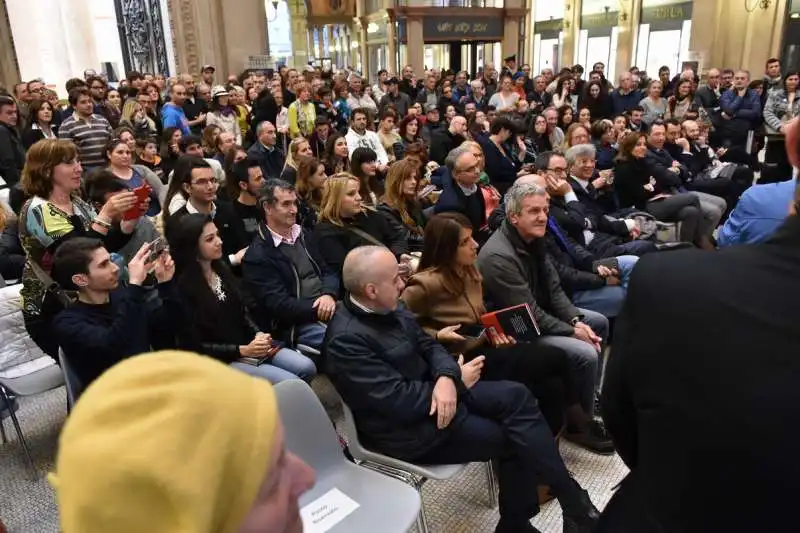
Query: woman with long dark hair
x,y
216,320
337,156
41,126
364,166
446,297
681,102
566,116
169,149
310,183
596,100
120,163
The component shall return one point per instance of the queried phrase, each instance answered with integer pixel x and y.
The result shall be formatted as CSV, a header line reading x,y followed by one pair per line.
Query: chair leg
x,y
492,484
3,431
19,432
422,518
409,479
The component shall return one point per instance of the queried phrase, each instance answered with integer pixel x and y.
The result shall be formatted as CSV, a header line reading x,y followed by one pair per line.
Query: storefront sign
x,y
548,26
599,20
682,11
462,28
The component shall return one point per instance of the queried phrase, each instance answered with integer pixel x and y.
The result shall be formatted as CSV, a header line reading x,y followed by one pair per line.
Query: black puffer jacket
x,y
385,367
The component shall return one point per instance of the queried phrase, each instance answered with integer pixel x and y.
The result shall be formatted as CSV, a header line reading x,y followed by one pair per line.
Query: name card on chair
x,y
326,511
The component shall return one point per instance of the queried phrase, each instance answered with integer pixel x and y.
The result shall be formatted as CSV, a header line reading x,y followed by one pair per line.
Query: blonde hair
x,y
567,144
335,189
129,110
291,155
42,158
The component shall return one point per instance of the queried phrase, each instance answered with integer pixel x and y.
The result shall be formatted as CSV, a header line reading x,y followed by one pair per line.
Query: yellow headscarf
x,y
167,442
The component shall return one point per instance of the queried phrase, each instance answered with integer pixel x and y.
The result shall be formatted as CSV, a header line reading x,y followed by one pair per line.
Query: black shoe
x,y
585,519
594,438
505,527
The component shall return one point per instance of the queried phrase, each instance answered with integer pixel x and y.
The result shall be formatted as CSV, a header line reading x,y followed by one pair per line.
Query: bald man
x,y
702,412
142,429
708,95
412,401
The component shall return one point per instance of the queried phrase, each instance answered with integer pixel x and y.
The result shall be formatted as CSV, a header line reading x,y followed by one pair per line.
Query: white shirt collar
x,y
191,209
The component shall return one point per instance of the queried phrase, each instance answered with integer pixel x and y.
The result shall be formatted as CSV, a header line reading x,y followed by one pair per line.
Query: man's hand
x,y
722,151
443,401
471,372
164,267
613,281
138,267
683,143
635,232
584,332
239,256
325,306
449,334
557,186
599,183
604,271
499,340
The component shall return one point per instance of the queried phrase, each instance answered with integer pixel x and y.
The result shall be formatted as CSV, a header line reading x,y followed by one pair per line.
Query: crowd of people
x,y
292,223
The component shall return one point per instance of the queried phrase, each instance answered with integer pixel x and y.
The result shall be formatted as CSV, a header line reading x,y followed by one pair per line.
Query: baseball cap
x,y
208,67
431,107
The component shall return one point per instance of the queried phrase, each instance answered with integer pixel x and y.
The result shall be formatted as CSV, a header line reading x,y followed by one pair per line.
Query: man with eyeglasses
x,y
707,96
200,186
461,192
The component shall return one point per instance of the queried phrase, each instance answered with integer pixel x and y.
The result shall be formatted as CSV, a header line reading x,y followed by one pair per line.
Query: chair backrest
x,y
308,431
74,387
353,444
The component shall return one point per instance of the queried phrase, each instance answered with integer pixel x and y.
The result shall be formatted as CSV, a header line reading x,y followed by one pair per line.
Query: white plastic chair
x,y
385,504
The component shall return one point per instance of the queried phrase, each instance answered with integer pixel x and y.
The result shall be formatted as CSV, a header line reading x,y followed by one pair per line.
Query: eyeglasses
x,y
557,171
473,168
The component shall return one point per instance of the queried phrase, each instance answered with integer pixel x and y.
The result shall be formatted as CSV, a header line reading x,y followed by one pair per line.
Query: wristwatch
x,y
574,321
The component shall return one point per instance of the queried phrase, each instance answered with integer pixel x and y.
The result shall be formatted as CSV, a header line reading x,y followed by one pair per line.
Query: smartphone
x,y
157,247
142,194
475,331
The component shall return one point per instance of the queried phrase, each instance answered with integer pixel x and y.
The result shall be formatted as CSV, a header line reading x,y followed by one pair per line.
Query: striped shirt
x,y
89,135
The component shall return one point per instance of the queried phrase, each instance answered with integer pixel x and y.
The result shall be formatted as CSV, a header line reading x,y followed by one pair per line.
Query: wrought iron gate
x,y
141,35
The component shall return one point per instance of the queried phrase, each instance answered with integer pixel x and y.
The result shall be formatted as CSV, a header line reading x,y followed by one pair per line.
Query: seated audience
x,y
447,293
641,185
358,136
120,164
444,140
322,130
310,183
401,206
670,170
299,147
281,255
266,151
461,192
413,401
198,183
215,319
517,269
364,166
12,256
410,131
337,156
110,322
387,134
761,210
605,144
346,223
145,426
244,185
147,156
501,166
53,215
576,134
602,233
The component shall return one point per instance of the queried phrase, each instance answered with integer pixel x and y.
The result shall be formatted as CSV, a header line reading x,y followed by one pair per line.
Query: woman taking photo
x,y
400,205
364,166
222,114
345,223
41,126
120,163
337,156
640,186
653,104
446,297
310,183
299,147
216,321
53,214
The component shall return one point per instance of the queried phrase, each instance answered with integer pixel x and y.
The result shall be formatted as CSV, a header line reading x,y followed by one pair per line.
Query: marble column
x,y
511,31
245,32
299,14
630,14
9,68
415,45
391,37
572,21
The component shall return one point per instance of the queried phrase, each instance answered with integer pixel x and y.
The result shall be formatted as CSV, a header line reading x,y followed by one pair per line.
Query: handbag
x,y
55,298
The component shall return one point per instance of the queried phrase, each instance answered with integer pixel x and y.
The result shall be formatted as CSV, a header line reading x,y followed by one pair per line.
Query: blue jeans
x,y
608,300
285,365
312,334
634,248
583,357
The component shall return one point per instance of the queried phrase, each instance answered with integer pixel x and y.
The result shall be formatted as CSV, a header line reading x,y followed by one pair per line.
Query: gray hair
x,y
580,151
455,153
517,193
359,267
266,195
262,125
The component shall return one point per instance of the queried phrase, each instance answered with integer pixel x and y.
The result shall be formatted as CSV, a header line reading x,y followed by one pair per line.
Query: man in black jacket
x,y
284,273
461,192
444,140
701,414
266,151
108,322
12,153
412,401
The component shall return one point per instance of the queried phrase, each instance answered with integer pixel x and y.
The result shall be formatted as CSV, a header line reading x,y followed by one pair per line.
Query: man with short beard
x,y
358,136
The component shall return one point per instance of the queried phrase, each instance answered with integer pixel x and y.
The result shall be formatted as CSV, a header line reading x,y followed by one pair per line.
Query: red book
x,y
516,322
